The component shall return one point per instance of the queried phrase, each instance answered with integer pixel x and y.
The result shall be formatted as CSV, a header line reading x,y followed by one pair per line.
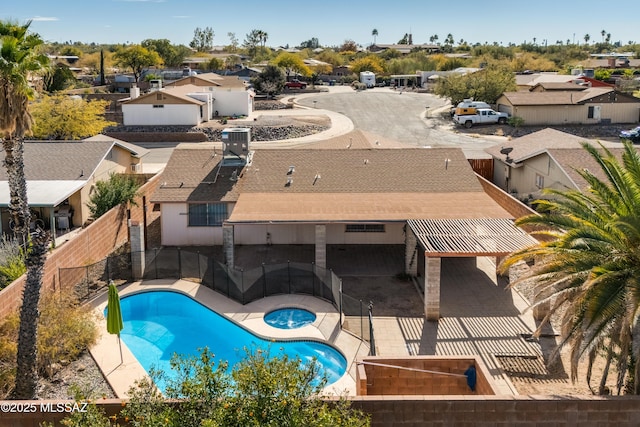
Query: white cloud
x,y
44,18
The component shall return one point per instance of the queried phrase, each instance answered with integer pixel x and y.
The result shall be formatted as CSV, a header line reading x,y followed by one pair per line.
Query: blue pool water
x,y
289,318
158,324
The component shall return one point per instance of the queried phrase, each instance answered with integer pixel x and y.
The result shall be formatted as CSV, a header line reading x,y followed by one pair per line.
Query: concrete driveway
x,y
408,117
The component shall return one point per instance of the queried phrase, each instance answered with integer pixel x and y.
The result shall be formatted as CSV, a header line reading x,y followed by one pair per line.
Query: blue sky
x,y
332,22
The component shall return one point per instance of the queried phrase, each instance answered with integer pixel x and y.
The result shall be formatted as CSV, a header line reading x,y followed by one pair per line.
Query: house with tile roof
x,y
545,159
591,105
335,194
61,176
189,101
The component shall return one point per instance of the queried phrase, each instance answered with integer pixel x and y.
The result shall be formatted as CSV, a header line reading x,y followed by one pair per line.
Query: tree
x,y
372,63
590,269
312,43
270,81
233,42
202,39
252,40
118,190
59,78
587,37
603,32
215,64
62,117
484,85
374,33
348,46
136,58
292,63
172,56
260,391
404,40
19,59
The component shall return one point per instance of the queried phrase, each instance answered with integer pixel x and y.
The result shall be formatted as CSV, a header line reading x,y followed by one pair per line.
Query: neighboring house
x,y
405,49
544,159
61,176
189,101
525,82
591,105
321,195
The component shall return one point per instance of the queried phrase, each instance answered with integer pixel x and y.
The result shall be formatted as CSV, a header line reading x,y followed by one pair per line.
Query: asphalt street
x,y
411,118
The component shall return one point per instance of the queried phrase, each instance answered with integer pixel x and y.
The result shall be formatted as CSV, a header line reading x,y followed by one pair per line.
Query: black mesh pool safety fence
x,y
243,286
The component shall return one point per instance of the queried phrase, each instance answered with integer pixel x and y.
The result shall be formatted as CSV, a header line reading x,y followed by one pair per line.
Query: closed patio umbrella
x,y
114,314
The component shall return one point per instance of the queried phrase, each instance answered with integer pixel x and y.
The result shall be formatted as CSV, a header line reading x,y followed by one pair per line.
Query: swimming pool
x,y
289,318
158,324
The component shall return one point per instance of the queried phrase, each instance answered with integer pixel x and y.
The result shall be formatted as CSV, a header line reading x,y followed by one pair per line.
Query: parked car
x,y
632,135
295,83
480,116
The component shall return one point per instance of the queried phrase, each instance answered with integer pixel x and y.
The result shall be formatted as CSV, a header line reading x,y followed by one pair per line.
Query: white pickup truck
x,y
482,116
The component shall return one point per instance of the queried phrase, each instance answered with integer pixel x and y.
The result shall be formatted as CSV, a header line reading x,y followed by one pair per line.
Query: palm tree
x,y
590,273
374,33
19,59
587,37
603,32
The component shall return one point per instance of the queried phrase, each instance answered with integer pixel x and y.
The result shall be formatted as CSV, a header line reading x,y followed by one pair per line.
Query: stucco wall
x,y
572,114
232,102
170,114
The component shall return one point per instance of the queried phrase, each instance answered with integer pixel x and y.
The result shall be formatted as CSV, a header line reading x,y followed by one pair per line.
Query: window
x,y
364,228
207,214
158,106
539,181
590,114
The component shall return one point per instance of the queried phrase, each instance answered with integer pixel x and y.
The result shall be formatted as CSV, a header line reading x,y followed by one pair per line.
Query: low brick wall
x,y
421,375
158,136
413,411
509,203
92,244
491,411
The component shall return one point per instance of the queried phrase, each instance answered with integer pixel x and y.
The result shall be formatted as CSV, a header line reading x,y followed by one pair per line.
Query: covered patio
x,y
430,240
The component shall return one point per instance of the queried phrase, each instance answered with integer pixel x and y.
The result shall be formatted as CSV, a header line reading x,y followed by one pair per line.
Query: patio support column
x,y
227,244
432,288
136,233
321,245
411,252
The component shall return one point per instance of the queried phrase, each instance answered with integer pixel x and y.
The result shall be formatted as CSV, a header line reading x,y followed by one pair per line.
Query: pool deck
x,y
122,374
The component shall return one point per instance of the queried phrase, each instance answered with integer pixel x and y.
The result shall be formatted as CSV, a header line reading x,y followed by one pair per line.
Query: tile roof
x,y
559,86
573,159
358,207
419,170
192,174
60,161
535,143
559,97
330,184
176,92
356,139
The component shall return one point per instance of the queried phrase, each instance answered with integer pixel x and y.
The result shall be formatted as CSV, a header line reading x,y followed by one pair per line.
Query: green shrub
x,y
65,330
12,263
119,189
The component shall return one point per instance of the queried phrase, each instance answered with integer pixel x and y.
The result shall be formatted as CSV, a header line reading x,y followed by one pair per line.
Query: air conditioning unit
x,y
136,167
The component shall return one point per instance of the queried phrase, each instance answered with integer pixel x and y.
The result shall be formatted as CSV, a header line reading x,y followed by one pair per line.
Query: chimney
x,y
134,92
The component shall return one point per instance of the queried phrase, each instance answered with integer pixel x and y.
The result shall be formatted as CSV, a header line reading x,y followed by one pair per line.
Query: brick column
x,y
136,233
227,245
321,245
432,288
411,252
